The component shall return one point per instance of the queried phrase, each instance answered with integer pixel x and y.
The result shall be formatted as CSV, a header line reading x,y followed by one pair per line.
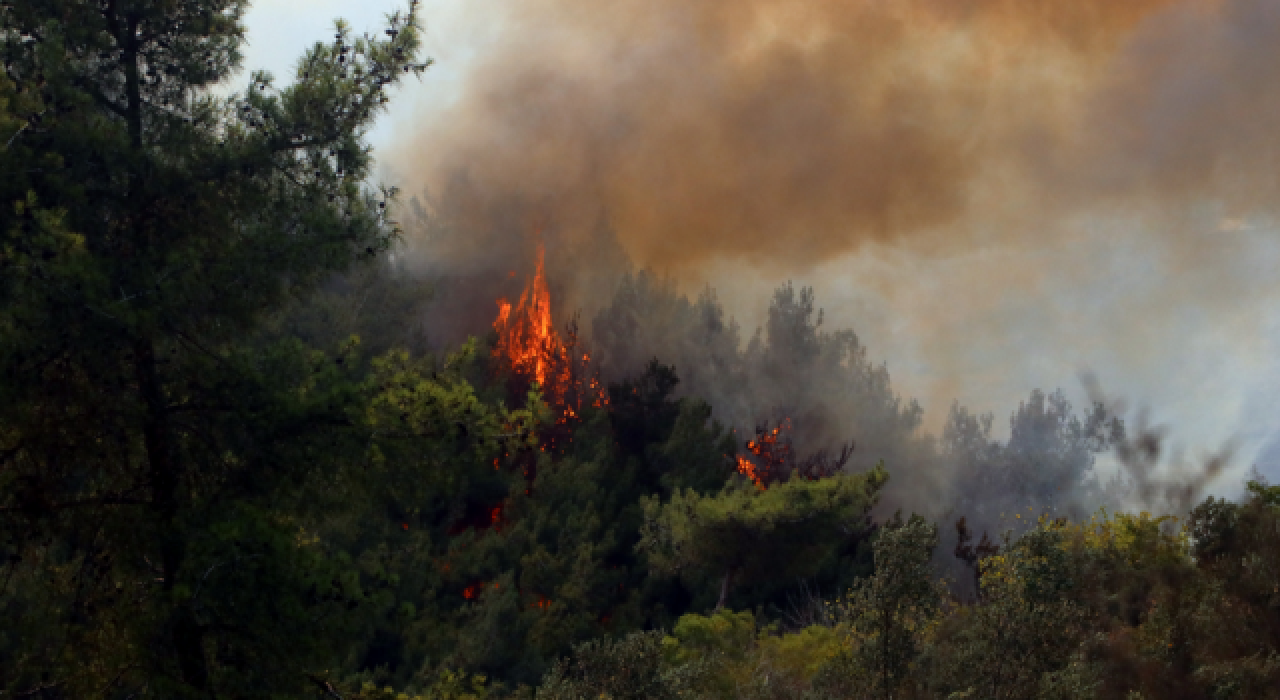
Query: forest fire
x,y
534,352
527,339
478,518
772,458
772,450
747,468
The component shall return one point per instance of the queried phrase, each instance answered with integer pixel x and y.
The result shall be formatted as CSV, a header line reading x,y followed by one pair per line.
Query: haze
x,y
997,195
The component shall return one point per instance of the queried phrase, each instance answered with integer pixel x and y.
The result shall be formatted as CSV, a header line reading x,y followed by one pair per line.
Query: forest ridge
x,y
231,466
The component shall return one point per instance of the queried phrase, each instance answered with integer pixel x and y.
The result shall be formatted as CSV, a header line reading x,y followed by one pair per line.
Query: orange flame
x,y
748,469
530,346
774,452
527,338
772,458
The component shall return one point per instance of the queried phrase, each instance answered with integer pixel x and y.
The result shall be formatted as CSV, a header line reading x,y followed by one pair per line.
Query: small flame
x,y
748,469
772,458
774,452
504,313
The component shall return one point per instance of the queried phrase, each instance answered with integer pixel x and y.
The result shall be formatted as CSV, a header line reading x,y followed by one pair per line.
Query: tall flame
x,y
529,345
527,337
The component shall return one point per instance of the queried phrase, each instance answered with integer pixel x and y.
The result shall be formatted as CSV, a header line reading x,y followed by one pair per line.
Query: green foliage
x,y
889,616
630,668
674,444
698,452
1114,608
724,633
1263,494
494,554
1025,627
746,534
446,685
642,413
430,422
159,466
228,468
381,301
737,659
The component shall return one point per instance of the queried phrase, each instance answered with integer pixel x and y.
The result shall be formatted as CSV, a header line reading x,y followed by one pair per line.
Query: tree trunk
x,y
158,441
162,457
724,588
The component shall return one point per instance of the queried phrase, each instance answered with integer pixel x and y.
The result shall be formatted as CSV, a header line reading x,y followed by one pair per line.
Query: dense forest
x,y
231,464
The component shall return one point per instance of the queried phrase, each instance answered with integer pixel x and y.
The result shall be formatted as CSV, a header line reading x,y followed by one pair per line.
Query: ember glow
x,y
772,457
772,452
747,468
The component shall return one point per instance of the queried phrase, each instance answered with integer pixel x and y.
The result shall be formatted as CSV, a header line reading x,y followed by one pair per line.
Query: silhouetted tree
x,y
152,457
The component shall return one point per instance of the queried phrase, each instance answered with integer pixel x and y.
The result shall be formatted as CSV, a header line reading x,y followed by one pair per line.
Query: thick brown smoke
x,y
995,193
794,131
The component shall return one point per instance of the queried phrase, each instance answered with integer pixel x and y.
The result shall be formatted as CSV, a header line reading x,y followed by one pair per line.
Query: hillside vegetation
x,y
229,467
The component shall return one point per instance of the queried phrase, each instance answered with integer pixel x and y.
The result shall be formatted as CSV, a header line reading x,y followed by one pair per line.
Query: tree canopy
x,y
744,533
156,460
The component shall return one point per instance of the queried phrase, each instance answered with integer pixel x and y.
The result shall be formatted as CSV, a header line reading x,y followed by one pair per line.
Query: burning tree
x,y
771,457
530,353
527,339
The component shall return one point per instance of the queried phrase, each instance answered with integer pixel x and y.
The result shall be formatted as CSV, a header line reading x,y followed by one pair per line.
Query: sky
x,y
998,196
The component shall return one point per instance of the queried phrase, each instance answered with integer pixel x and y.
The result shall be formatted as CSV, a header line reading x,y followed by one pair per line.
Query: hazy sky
x,y
996,195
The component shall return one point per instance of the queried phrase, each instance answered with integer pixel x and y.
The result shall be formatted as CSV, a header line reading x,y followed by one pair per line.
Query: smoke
x,y
995,193
792,133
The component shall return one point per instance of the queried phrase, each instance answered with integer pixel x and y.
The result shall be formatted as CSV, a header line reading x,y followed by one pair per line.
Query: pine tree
x,y
890,614
743,534
151,456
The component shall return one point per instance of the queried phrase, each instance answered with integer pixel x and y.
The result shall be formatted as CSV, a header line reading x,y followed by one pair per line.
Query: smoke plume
x,y
793,132
995,193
